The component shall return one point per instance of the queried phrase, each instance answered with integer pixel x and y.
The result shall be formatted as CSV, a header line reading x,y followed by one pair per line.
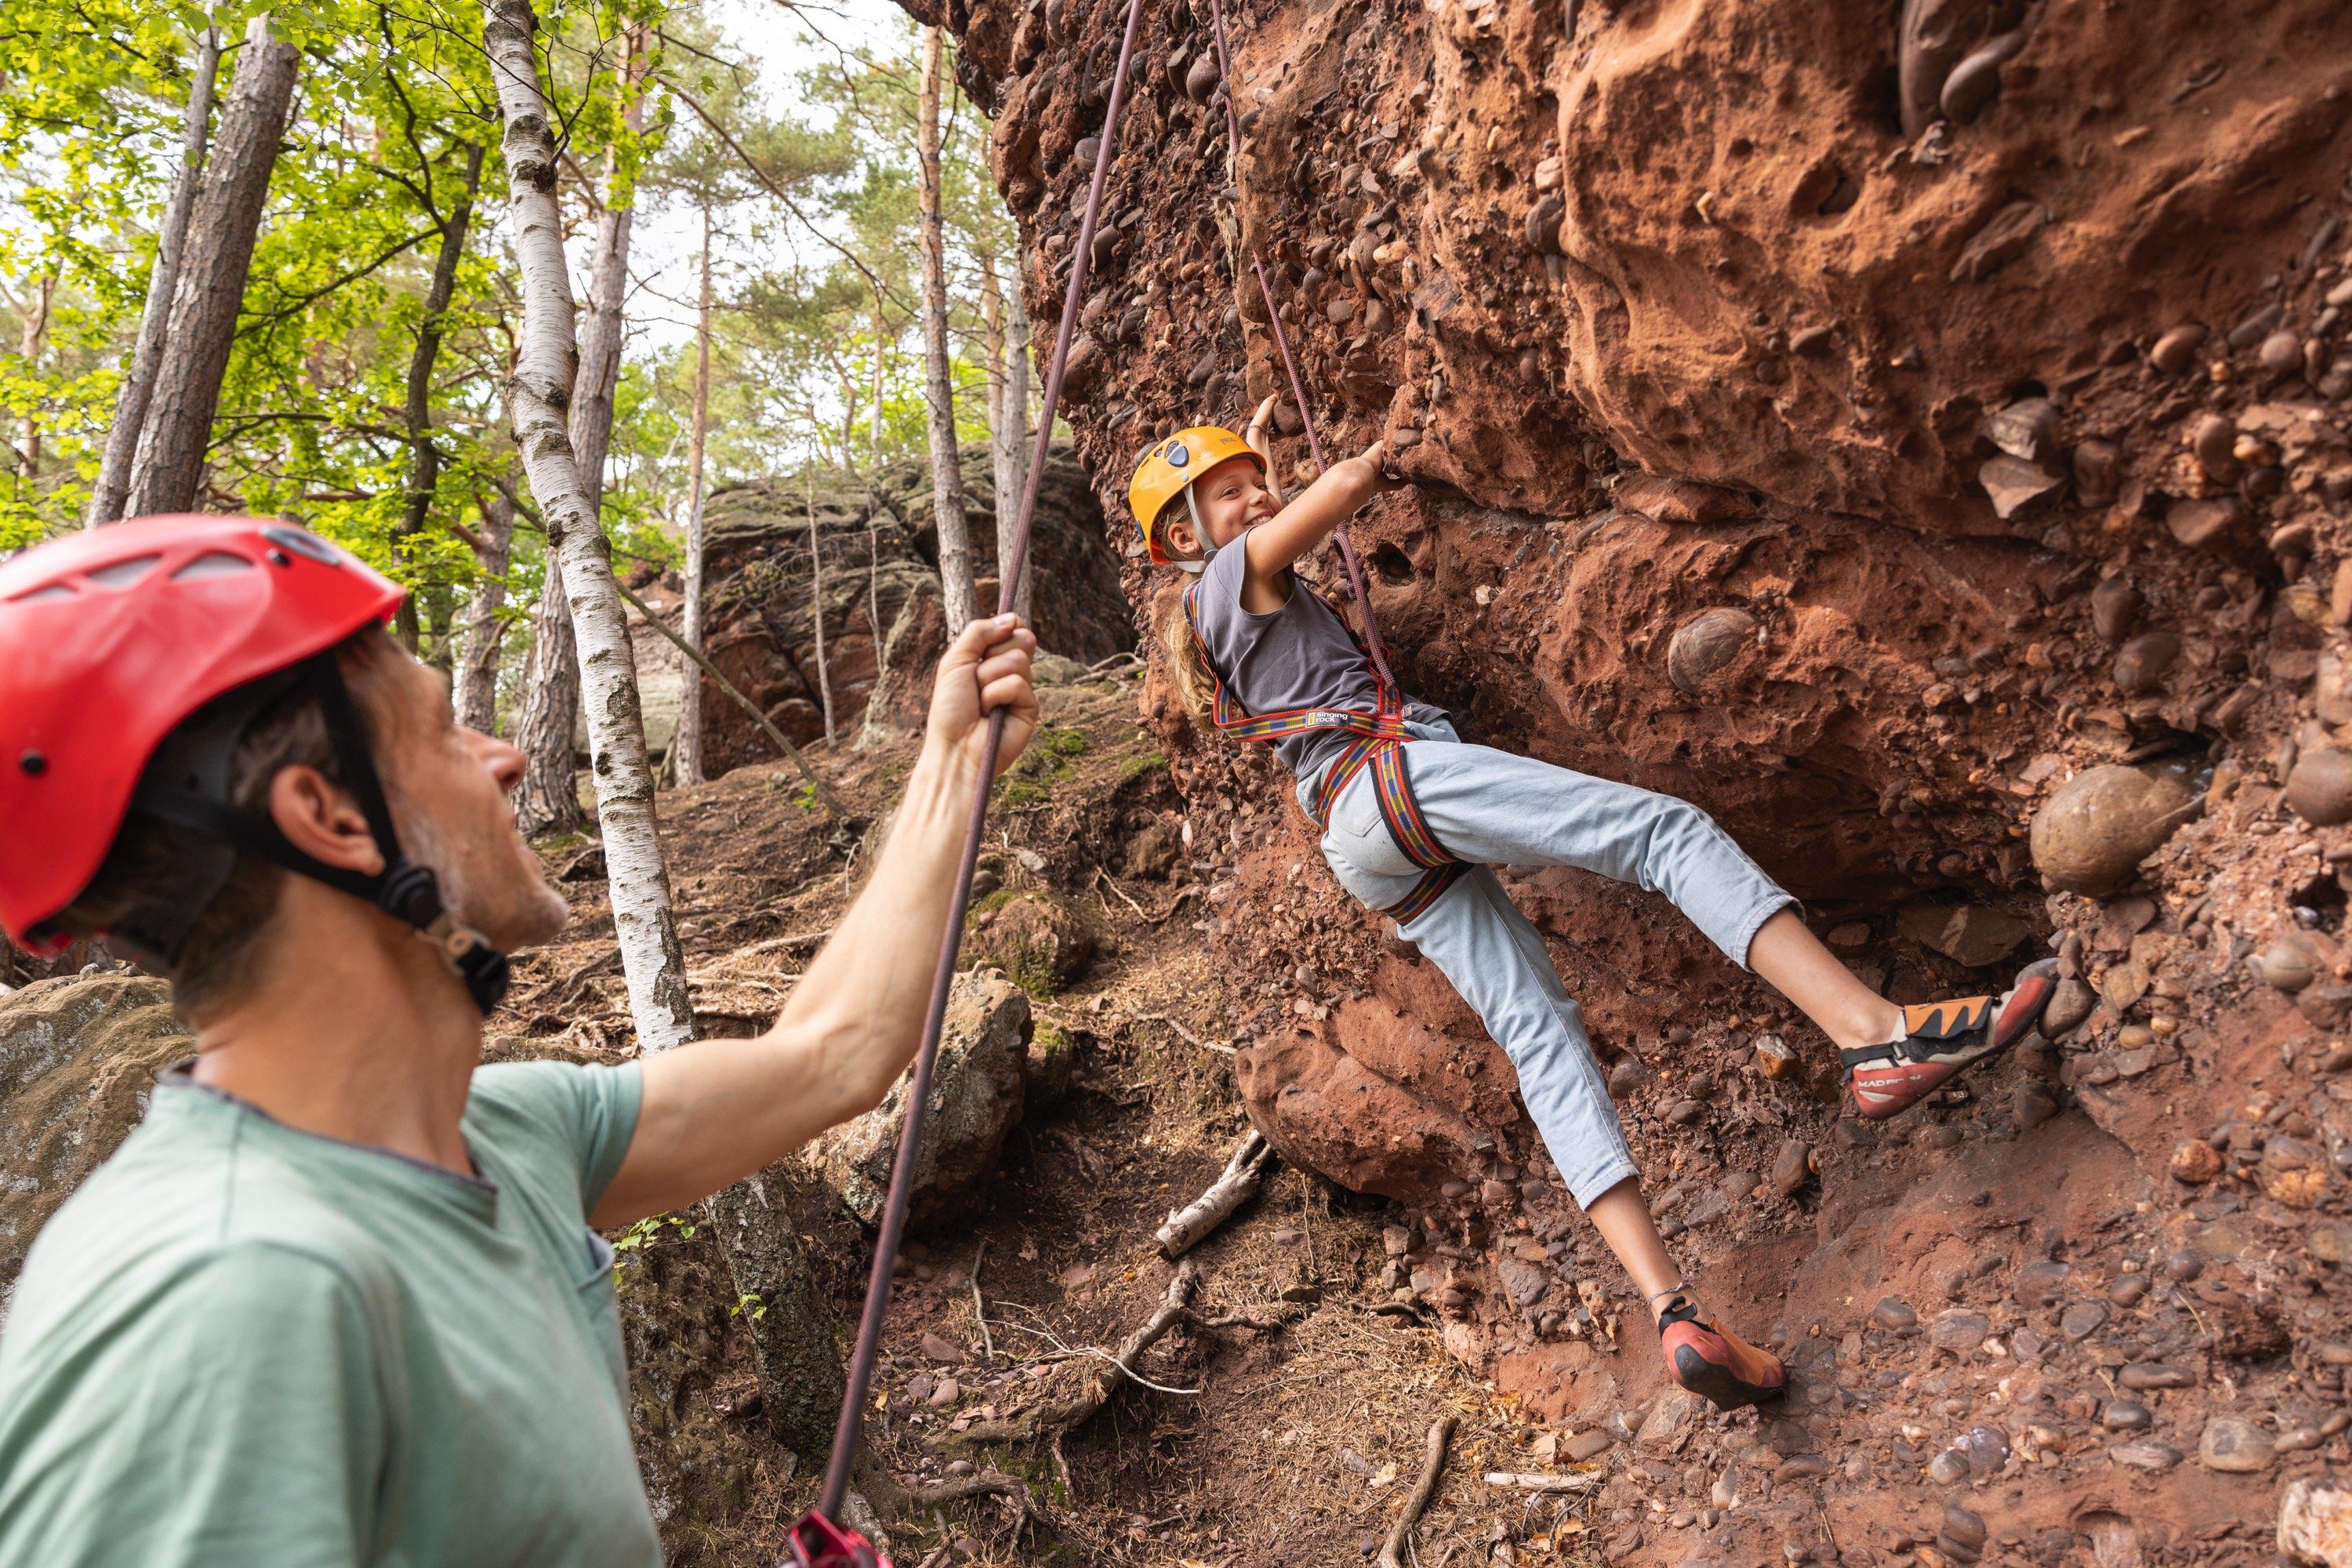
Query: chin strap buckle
x,y
818,1542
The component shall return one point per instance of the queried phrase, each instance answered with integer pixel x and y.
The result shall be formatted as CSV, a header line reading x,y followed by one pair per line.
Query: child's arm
x,y
1302,525
1256,436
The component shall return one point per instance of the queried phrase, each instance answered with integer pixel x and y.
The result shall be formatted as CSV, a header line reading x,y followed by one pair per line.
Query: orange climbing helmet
x,y
1168,470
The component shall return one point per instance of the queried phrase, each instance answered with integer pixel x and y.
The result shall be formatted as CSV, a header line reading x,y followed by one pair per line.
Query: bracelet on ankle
x,y
1676,1288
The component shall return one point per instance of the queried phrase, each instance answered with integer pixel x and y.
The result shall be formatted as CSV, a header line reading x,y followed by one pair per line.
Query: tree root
x,y
1394,1555
1076,1389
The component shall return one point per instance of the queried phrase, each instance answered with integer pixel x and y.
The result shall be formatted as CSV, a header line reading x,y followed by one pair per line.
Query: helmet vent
x,y
123,573
43,595
213,564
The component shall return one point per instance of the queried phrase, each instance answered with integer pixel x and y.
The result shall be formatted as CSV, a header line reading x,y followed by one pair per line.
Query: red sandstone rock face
x,y
1768,455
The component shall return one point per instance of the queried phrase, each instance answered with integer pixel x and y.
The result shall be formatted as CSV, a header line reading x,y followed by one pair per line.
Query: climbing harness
x,y
816,1540
1376,740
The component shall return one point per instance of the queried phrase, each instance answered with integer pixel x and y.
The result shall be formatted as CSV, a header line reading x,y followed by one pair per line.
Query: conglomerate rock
x,y
1861,420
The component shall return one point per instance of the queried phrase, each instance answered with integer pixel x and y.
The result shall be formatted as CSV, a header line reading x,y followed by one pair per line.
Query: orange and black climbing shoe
x,y
1720,1367
1942,1040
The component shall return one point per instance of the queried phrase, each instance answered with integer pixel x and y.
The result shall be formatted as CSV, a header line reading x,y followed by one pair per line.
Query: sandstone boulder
x,y
977,1096
2092,833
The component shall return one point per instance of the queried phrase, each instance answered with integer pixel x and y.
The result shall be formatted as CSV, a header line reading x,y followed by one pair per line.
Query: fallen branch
x,y
1187,1227
1187,1036
1400,1541
1078,1388
1513,1481
825,796
1122,892
980,1307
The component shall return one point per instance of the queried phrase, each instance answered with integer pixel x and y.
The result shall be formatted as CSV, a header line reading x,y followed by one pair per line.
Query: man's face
x,y
448,788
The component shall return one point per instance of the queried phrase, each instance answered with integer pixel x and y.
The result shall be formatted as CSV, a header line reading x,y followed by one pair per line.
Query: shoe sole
x,y
2004,1036
1718,1384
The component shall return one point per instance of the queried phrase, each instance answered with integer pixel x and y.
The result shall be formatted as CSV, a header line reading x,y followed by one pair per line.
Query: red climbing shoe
x,y
1720,1367
1943,1040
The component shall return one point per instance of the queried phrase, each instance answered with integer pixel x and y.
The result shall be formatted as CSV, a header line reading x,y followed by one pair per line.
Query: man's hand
x,y
985,668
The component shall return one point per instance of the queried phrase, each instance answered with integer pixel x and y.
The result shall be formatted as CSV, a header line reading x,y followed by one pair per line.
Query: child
x,y
1412,818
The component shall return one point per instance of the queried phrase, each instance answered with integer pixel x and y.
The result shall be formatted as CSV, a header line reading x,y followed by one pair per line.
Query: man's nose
x,y
506,763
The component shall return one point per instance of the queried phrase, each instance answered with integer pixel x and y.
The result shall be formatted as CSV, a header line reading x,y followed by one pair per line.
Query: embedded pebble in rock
x,y
2177,348
2091,836
1586,1446
2082,1319
2184,1266
2315,1521
2142,1376
2293,1173
2151,1456
1985,1449
2286,965
1976,80
2320,787
1959,1330
2027,428
1794,1167
2199,522
2034,1102
2281,353
1705,644
2070,1004
2038,1284
2015,484
2128,1289
2234,1446
2126,1415
2194,1162
1969,934
1964,1526
1948,1468
1892,1312
2214,439
2115,609
2094,472
2141,663
1625,1077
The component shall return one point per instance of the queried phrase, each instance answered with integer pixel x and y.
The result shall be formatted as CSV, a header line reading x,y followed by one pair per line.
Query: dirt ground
x,y
1288,1444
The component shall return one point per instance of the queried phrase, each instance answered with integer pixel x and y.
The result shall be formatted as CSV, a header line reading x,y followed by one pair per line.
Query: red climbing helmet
x,y
112,638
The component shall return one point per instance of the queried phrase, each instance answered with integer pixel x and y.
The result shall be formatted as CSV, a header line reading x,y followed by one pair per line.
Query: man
x,y
337,1300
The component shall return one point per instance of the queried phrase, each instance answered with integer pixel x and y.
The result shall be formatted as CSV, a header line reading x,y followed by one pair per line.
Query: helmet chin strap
x,y
1200,533
197,797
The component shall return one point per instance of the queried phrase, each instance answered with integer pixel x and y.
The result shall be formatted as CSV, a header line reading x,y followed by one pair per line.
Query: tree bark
x,y
34,334
946,476
546,363
874,431
424,456
549,799
688,753
170,457
817,603
113,483
476,689
1008,434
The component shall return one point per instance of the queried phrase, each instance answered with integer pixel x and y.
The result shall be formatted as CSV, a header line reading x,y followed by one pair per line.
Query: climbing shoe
x,y
1943,1040
1721,1368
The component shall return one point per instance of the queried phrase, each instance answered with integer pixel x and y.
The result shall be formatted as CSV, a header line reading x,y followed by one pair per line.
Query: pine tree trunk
x,y
170,457
1009,437
947,476
475,691
546,363
32,337
686,752
874,432
549,800
112,486
424,456
816,603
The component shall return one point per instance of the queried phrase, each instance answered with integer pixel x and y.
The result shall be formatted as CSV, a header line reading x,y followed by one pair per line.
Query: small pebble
x,y
2126,1415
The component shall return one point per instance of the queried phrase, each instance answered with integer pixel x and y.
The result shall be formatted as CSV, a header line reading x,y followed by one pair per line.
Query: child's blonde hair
x,y
1196,689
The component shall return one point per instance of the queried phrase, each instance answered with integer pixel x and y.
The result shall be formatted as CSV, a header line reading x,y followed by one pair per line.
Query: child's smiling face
x,y
1231,499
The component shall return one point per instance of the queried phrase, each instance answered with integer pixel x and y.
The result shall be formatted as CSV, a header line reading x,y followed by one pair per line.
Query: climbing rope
x,y
815,1535
1347,557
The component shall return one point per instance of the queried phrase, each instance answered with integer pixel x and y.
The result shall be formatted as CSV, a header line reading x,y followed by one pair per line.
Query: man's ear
x,y
322,822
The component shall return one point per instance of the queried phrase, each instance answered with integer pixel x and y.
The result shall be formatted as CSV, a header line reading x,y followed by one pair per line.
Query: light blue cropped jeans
x,y
1494,808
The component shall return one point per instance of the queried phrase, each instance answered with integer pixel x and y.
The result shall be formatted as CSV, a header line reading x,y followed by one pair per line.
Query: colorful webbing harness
x,y
1375,739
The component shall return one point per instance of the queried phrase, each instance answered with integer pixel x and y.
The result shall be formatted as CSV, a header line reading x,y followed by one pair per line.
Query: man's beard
x,y
489,891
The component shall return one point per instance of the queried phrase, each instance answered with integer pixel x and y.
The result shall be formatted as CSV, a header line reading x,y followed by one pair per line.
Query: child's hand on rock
x,y
1384,478
1259,427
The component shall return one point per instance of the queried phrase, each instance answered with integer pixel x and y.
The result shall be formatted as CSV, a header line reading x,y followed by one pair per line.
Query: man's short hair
x,y
149,856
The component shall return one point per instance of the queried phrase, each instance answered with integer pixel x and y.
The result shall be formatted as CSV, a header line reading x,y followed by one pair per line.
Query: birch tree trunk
x,y
1008,435
549,800
130,400
546,363
424,456
687,749
946,476
817,603
475,692
874,432
170,456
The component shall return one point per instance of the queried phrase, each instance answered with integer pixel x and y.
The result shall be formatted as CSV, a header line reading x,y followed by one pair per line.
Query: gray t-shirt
x,y
1299,655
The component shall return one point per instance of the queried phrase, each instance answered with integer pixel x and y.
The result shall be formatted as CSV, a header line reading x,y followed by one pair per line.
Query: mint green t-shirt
x,y
243,1346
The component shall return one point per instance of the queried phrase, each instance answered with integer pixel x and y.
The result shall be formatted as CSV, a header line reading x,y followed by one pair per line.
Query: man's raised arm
x,y
714,1111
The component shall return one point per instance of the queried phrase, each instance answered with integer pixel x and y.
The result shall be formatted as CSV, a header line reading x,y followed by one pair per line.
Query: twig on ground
x,y
1400,1541
1060,1411
1513,1481
1185,1227
1104,878
1122,656
1174,904
979,1308
1187,1036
